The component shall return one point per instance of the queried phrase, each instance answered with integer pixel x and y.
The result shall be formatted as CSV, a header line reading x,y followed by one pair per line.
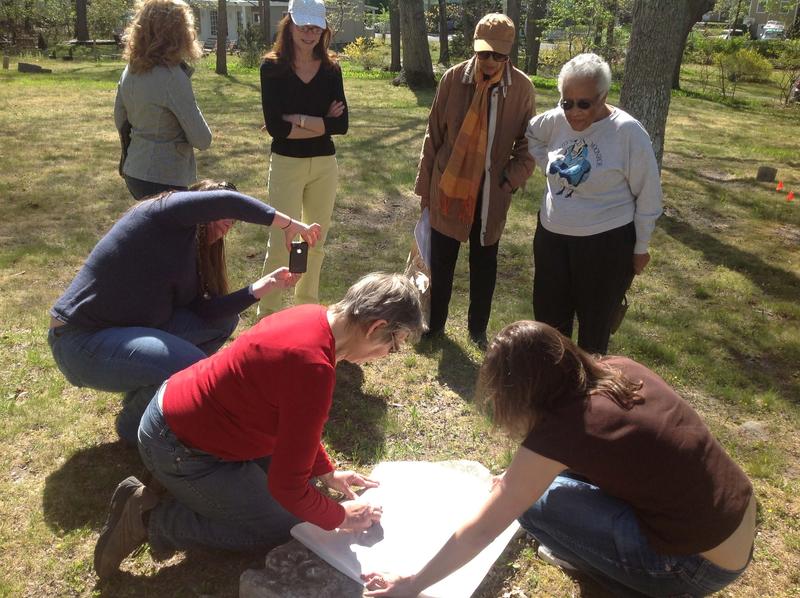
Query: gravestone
x,y
26,67
766,174
293,571
423,504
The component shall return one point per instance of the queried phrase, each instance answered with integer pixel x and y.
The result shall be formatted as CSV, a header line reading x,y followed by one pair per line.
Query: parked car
x,y
735,32
772,32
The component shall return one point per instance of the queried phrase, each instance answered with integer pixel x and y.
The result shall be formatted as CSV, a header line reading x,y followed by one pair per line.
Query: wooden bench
x,y
210,45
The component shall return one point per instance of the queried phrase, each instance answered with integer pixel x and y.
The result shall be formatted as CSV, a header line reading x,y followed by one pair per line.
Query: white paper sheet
x,y
423,504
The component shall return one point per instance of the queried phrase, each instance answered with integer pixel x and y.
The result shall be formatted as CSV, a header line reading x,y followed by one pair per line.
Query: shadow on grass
x,y
357,420
773,281
199,573
78,493
457,370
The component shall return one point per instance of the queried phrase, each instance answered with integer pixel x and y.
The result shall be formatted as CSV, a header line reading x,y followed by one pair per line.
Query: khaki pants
x,y
303,189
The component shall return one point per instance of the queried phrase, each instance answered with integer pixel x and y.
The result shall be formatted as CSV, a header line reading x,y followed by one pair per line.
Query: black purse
x,y
124,141
619,314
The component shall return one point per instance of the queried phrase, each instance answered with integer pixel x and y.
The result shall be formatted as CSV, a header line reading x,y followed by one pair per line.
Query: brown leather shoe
x,y
124,530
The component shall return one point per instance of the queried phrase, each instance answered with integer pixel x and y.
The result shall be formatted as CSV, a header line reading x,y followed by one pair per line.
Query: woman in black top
x,y
302,95
153,297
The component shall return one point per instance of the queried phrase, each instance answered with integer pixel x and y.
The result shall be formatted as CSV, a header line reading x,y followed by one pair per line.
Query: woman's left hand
x,y
310,233
335,110
342,480
387,584
279,279
640,261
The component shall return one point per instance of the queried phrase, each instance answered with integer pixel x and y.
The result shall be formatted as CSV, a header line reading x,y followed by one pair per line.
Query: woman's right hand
x,y
359,515
310,233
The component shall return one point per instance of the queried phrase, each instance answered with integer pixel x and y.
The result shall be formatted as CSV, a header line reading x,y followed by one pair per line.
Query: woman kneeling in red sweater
x,y
235,438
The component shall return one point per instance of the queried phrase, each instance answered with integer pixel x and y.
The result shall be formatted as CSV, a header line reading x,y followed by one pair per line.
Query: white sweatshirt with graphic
x,y
598,179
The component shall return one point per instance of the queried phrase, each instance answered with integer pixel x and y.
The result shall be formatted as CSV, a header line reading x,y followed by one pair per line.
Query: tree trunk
x,y
266,23
417,66
613,8
513,13
81,24
697,8
598,35
537,10
444,49
652,54
222,37
469,20
394,33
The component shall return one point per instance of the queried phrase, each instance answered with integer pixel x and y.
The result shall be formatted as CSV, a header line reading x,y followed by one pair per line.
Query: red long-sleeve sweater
x,y
268,393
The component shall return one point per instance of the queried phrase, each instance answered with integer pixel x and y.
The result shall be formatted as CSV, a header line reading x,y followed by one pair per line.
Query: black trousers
x,y
143,189
583,276
482,277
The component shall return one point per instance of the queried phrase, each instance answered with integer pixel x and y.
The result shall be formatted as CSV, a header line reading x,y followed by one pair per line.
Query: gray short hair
x,y
587,66
382,296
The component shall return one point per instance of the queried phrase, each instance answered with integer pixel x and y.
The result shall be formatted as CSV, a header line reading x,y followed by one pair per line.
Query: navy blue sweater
x,y
146,265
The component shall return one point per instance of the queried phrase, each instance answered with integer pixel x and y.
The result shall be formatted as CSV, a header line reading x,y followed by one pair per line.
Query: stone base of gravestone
x,y
26,67
293,571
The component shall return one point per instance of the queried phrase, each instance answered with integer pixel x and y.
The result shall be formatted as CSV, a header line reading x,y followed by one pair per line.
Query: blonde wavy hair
x,y
161,33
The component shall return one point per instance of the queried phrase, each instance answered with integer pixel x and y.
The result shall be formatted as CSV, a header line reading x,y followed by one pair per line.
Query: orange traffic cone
x,y
790,196
780,186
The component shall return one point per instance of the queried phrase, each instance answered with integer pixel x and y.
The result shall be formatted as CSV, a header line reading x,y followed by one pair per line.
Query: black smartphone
x,y
298,258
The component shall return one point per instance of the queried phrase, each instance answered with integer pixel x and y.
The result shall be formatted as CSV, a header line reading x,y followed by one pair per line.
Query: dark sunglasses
x,y
486,54
568,105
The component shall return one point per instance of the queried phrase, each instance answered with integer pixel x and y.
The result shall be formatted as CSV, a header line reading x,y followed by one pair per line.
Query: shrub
x,y
251,46
746,65
363,52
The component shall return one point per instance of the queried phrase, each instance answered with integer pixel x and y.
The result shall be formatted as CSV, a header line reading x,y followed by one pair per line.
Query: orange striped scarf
x,y
461,179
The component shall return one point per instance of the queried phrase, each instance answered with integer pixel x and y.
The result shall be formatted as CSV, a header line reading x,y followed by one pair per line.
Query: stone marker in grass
x,y
26,67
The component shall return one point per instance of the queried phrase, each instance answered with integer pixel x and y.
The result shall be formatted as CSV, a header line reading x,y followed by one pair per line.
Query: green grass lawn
x,y
716,314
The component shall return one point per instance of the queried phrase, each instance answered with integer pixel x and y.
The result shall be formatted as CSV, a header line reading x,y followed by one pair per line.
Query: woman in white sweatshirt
x,y
602,199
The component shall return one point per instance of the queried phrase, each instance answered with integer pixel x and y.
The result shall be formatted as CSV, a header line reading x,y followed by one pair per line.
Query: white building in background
x,y
346,17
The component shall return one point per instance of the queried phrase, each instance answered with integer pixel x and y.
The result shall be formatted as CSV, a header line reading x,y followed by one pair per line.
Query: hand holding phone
x,y
298,257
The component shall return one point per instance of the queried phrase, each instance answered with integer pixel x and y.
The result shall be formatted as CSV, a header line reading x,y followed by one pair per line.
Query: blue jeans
x,y
215,503
601,537
136,360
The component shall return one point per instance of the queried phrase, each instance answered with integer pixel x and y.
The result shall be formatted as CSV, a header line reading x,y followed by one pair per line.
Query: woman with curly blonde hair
x,y
155,110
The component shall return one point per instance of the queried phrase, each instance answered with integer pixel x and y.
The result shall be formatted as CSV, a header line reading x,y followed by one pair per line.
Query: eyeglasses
x,y
395,345
486,54
568,105
309,29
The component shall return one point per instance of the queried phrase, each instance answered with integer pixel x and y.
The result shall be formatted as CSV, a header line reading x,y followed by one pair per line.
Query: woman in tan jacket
x,y
473,158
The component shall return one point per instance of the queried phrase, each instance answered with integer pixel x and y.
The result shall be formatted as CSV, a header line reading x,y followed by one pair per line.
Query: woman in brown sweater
x,y
626,483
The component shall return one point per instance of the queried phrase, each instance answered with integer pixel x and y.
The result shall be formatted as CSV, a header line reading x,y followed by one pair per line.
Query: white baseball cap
x,y
308,12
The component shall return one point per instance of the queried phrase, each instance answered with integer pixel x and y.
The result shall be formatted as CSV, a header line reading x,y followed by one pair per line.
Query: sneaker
x,y
124,530
548,557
